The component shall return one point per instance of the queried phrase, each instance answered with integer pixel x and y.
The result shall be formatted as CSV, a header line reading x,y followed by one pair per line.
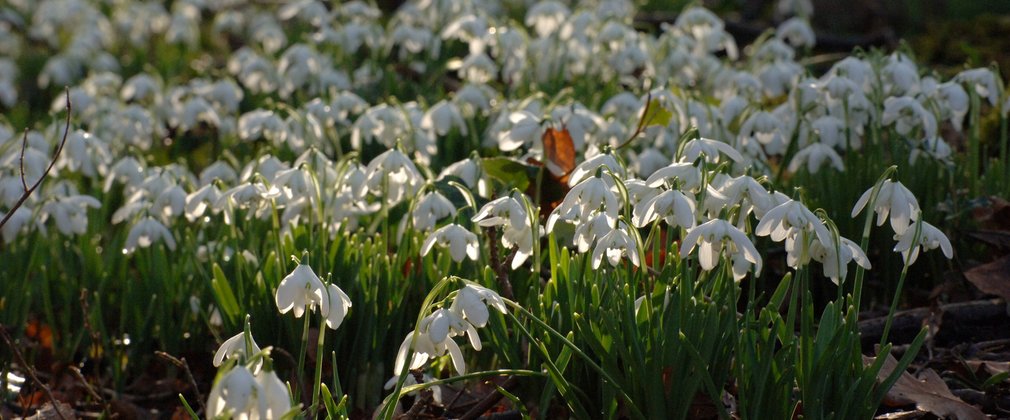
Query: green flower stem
x,y
317,381
575,349
901,283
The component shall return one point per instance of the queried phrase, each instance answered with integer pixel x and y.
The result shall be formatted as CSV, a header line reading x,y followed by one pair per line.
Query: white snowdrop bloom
x,y
838,87
673,206
473,97
894,200
265,31
517,230
297,67
443,117
184,27
234,395
273,398
929,238
688,176
767,130
475,68
170,202
340,303
546,17
587,168
983,81
145,232
394,175
472,301
935,148
219,170
523,129
309,11
789,218
17,223
429,209
711,149
778,77
711,237
614,245
855,69
801,8
381,123
193,112
591,228
200,200
236,347
954,101
8,84
420,347
624,106
302,290
907,115
142,88
830,131
814,156
461,242
467,170
797,32
263,124
835,260
900,76
86,154
10,190
70,213
447,323
590,195
256,73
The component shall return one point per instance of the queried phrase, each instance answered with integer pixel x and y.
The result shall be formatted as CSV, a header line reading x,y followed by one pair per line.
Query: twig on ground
x,y
181,364
29,190
30,370
490,400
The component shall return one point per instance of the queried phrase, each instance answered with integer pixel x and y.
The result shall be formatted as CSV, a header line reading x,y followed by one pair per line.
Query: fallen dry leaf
x,y
992,278
559,152
991,367
928,392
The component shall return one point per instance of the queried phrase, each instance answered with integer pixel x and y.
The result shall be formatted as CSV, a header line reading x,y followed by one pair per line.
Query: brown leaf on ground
x,y
989,366
928,392
995,216
992,278
49,412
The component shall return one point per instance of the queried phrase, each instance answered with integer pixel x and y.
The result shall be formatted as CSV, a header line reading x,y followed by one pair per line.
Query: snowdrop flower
x,y
461,242
787,219
234,395
835,260
588,230
423,346
615,244
467,170
815,155
676,209
15,224
711,237
442,117
929,238
146,232
935,148
687,174
472,301
339,304
907,114
517,229
711,149
894,200
590,166
901,77
431,208
546,17
983,81
235,347
588,196
264,124
70,213
273,399
394,174
797,32
300,290
200,200
524,128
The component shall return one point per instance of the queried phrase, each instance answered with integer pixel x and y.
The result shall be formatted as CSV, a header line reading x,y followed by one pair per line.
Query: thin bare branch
x,y
24,142
28,191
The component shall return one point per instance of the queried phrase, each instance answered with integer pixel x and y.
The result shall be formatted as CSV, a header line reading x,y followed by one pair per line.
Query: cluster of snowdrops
x,y
423,144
